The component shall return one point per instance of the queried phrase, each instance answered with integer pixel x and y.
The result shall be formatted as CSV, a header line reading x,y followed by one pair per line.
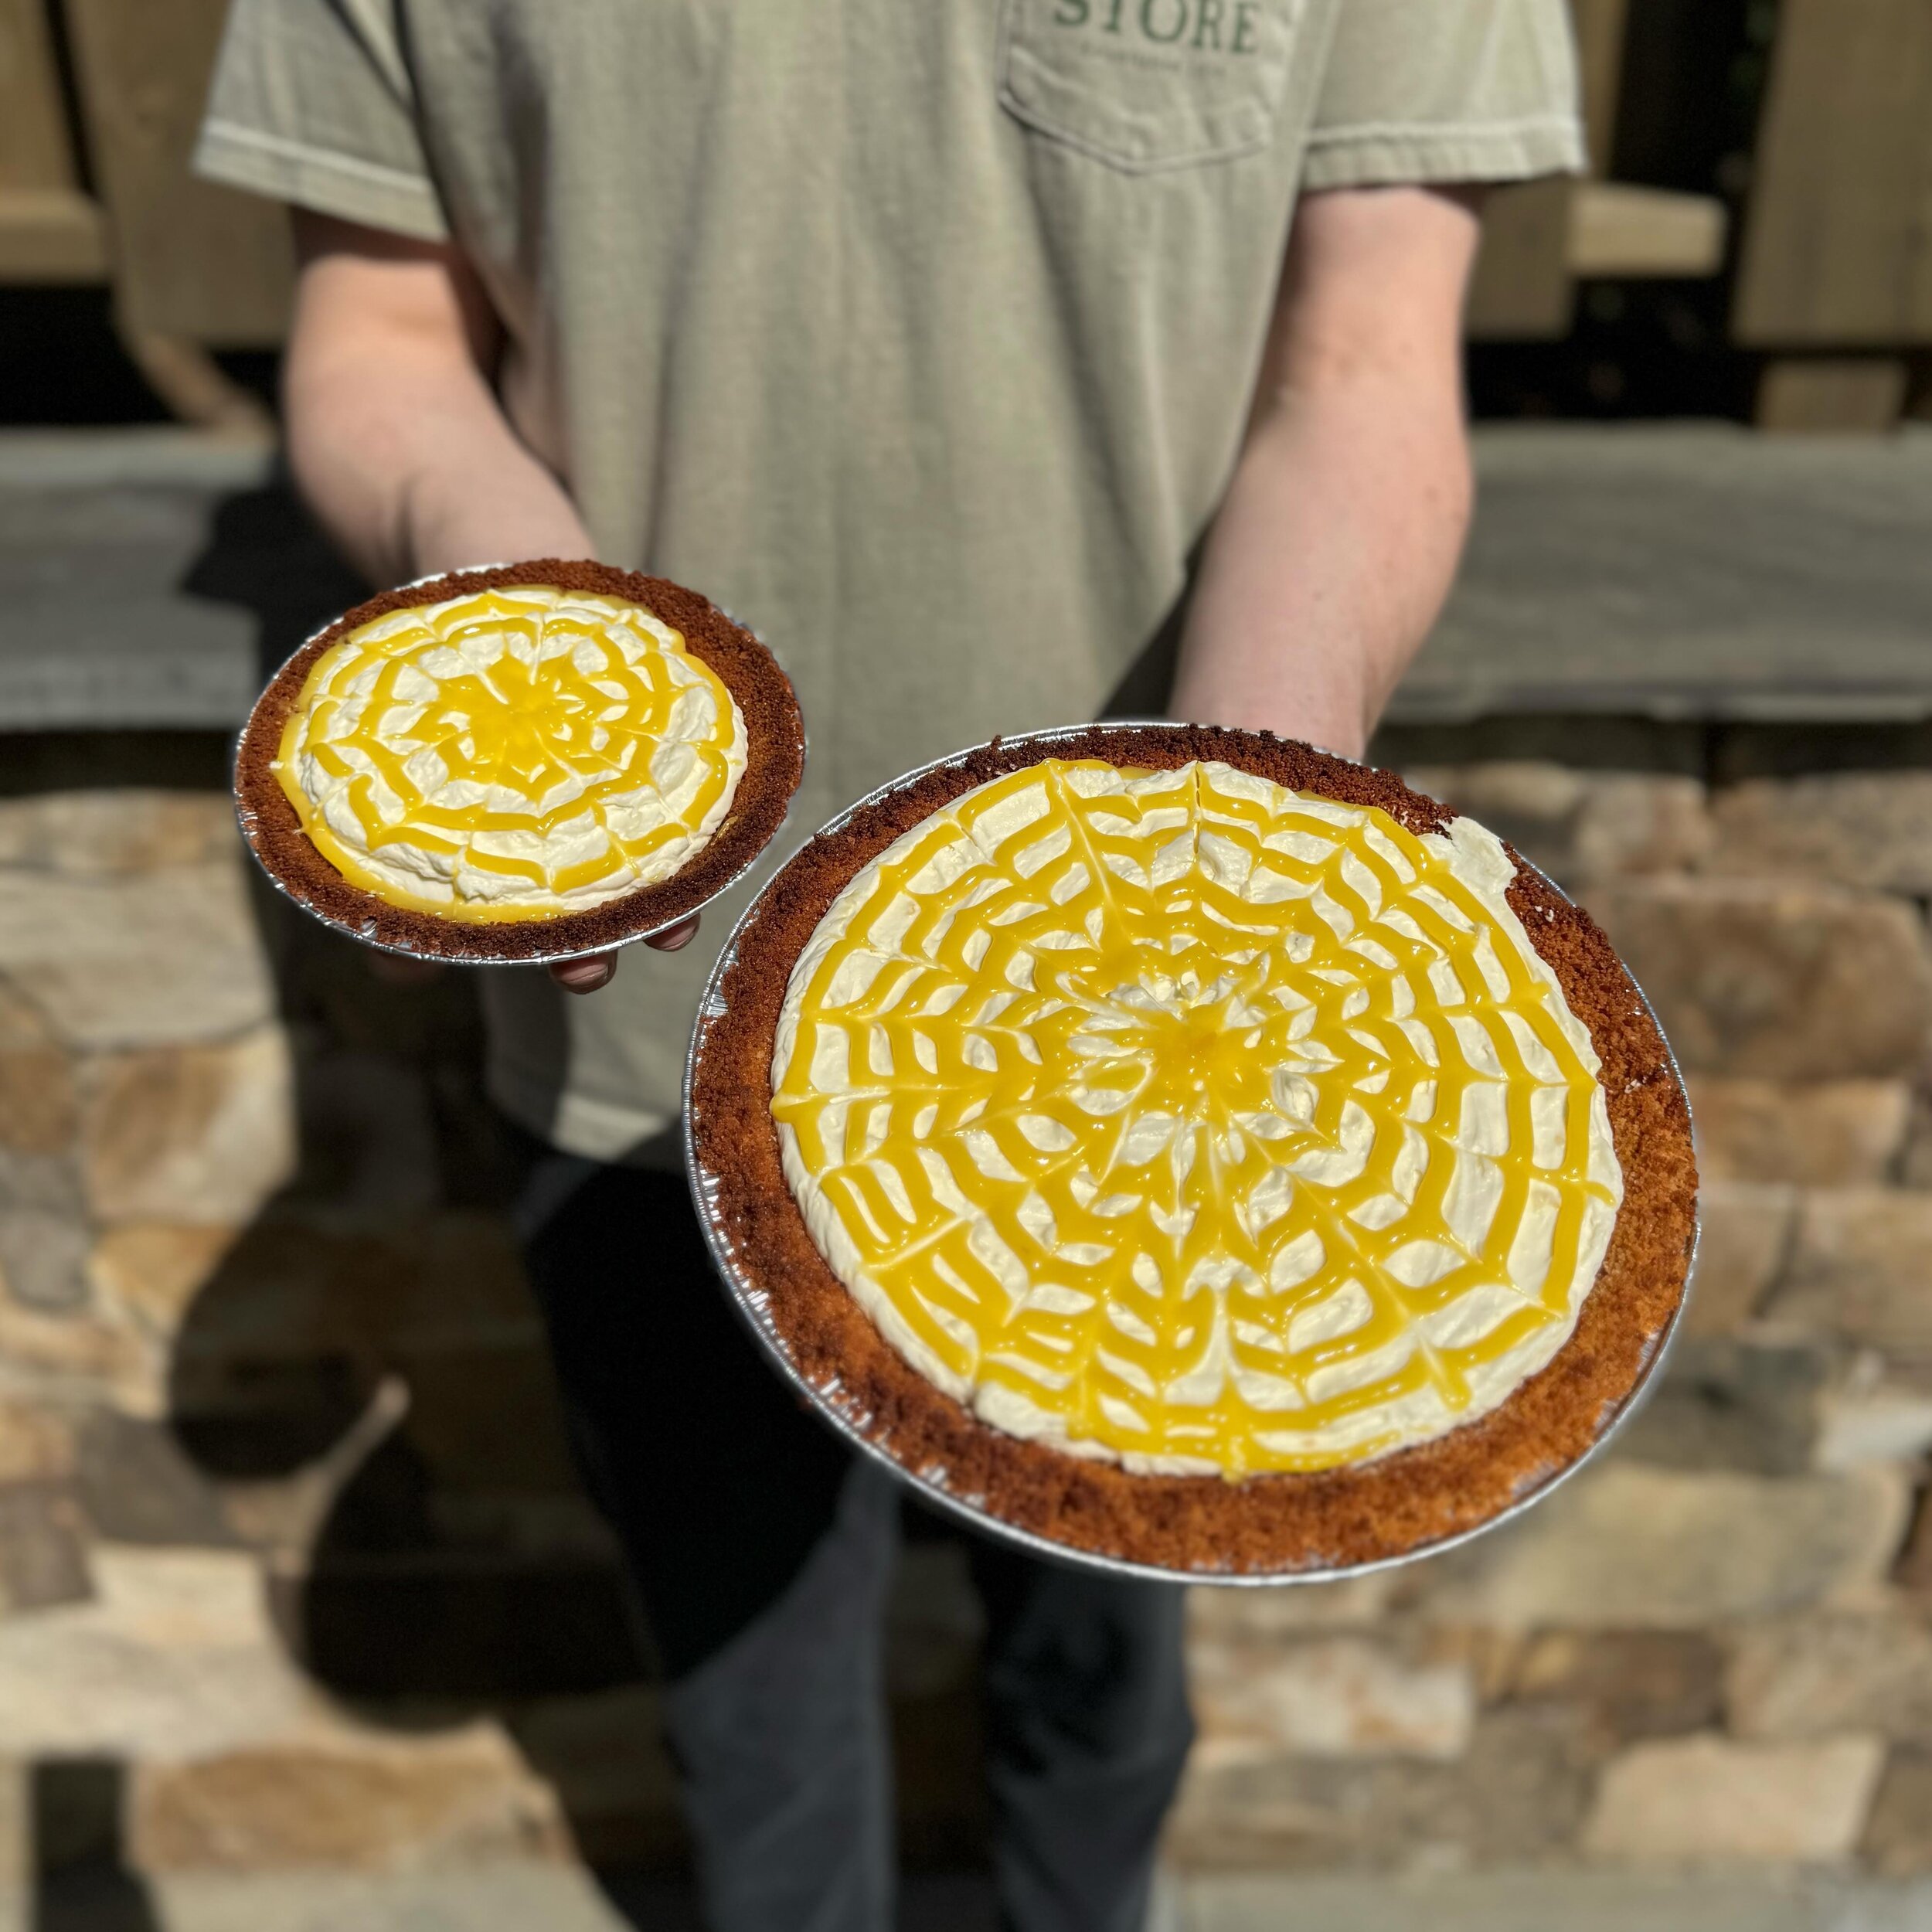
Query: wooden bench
x,y
193,268
1541,238
1835,279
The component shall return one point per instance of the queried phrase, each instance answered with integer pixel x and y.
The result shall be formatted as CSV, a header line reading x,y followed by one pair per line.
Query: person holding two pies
x,y
963,352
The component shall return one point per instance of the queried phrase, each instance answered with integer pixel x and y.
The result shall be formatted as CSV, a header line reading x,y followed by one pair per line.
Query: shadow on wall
x,y
80,1880
365,1378
364,1375
264,553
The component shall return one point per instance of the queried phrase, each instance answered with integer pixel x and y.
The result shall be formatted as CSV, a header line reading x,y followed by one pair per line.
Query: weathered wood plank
x,y
1600,26
1524,288
51,235
1619,230
1838,242
192,261
36,150
1537,240
1831,394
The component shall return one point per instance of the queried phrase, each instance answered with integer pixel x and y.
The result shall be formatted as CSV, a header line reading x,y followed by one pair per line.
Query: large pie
x,y
1195,1150
537,759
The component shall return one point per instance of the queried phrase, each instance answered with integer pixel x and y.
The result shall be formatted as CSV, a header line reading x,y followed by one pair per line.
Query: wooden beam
x,y
1833,395
1522,289
1644,232
51,235
37,151
192,263
1600,26
195,388
1838,238
1540,239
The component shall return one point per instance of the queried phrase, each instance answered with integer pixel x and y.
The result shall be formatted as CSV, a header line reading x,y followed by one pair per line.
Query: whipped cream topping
x,y
1179,1120
512,754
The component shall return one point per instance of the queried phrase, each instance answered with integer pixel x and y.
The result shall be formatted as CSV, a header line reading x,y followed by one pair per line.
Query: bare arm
x,y
1340,533
395,435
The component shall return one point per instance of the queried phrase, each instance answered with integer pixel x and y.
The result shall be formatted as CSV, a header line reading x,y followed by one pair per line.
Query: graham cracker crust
x,y
1398,1506
774,762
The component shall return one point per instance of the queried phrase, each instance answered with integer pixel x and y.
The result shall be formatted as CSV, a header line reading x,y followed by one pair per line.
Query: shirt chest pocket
x,y
1148,84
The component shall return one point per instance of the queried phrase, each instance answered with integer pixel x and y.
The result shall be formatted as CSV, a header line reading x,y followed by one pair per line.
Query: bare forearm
x,y
1328,563
394,434
410,465
396,439
1339,536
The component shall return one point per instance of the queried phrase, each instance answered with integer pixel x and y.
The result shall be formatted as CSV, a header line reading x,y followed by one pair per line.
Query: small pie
x,y
1194,1150
530,761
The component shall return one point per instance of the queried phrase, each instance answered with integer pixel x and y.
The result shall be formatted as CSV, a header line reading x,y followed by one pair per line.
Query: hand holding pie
x,y
1192,1151
537,761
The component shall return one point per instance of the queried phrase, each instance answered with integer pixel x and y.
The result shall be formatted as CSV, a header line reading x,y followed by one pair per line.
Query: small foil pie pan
x,y
774,763
1319,1527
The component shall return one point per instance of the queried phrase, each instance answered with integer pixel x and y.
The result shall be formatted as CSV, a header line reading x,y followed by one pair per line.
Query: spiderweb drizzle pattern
x,y
1179,1119
511,746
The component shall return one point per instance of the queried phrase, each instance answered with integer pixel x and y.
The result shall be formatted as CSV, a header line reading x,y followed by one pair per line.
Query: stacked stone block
x,y
288,1536
1712,1648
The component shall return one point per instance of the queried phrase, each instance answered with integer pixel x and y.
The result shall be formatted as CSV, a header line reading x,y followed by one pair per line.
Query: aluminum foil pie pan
x,y
836,1404
299,872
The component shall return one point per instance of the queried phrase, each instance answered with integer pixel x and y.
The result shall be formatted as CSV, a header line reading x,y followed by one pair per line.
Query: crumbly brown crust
x,y
774,762
1397,1506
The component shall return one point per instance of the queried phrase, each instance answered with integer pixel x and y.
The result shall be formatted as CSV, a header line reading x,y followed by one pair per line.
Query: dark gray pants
x,y
763,1551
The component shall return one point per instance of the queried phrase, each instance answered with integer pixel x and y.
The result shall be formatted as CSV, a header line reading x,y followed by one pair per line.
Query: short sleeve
x,y
1440,91
312,103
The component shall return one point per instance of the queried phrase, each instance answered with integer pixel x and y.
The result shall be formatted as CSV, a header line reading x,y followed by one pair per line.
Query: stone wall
x,y
1714,1646
291,1554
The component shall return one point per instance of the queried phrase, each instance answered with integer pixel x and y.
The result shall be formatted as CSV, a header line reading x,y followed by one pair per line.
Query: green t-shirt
x,y
919,334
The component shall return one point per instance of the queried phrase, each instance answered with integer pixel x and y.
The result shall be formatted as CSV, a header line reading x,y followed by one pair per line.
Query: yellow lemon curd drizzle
x,y
465,730
1102,1100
